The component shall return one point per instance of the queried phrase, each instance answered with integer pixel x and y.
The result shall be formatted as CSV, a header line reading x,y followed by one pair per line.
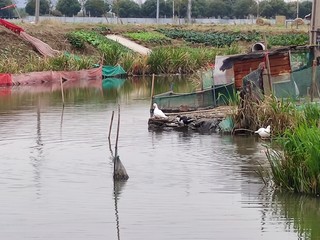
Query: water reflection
x,y
117,90
183,185
117,189
36,156
301,212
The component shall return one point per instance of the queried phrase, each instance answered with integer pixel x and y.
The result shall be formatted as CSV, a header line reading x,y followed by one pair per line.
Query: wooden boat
x,y
212,97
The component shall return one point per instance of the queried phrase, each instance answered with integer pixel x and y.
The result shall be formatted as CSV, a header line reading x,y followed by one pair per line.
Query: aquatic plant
x,y
294,156
296,167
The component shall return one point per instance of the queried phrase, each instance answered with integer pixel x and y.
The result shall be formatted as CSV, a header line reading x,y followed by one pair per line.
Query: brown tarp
x,y
42,47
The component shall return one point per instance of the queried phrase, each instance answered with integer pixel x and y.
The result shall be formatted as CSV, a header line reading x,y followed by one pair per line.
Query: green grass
x,y
37,64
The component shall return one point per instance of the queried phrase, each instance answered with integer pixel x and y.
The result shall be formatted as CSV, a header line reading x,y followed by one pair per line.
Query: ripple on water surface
x,y
56,180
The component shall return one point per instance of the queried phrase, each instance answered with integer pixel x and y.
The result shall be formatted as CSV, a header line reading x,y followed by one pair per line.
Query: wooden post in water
x,y
119,172
314,76
152,93
267,62
111,124
110,134
62,93
117,137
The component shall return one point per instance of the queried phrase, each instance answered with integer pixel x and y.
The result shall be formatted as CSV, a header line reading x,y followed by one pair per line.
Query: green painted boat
x,y
212,97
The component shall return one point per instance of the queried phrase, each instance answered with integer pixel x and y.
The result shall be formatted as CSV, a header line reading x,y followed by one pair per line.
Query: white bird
x,y
157,113
264,132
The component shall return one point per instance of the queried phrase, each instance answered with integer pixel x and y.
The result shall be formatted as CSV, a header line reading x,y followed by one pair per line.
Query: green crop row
x,y
288,39
214,39
219,39
148,37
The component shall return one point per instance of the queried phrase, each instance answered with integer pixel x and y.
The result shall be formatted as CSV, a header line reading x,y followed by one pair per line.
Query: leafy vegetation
x,y
288,39
148,37
220,39
110,50
75,40
216,39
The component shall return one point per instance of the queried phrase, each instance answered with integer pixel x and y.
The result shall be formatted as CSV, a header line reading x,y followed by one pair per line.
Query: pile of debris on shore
x,y
205,121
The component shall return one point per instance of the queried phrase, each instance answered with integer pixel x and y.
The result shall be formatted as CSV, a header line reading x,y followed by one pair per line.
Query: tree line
x,y
227,9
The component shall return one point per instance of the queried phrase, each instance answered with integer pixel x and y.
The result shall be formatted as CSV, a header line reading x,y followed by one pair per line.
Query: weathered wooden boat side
x,y
205,99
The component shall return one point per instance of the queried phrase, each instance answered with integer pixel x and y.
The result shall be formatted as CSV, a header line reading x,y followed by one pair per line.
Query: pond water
x,y
56,174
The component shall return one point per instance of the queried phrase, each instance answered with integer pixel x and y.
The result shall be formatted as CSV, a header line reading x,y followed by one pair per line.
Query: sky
x,y
20,3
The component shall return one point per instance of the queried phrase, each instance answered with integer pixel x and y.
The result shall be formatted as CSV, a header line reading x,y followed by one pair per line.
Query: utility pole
x,y
37,11
172,11
189,11
297,8
157,11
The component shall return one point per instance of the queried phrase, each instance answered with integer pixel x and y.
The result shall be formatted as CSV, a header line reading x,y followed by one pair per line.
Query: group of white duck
x,y
182,120
157,113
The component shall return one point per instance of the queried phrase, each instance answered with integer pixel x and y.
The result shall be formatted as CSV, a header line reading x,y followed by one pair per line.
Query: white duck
x,y
264,132
157,113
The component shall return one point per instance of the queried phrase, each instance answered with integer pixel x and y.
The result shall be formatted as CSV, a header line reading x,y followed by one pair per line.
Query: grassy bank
x,y
175,49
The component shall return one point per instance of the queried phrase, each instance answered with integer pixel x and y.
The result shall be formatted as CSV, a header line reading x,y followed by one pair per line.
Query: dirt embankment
x,y
13,46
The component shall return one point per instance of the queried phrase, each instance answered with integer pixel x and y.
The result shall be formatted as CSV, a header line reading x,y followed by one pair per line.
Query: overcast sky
x,y
20,3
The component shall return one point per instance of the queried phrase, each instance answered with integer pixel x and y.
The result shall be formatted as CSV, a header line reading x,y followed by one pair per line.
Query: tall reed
x,y
297,166
171,60
295,156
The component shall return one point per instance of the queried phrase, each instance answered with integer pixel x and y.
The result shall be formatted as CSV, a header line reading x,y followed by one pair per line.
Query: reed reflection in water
x,y
56,175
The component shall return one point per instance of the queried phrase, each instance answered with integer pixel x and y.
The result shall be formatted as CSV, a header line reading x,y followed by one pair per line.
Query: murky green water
x,y
56,174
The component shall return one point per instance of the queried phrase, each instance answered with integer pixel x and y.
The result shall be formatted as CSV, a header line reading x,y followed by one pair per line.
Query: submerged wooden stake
x,y
110,134
119,172
62,93
152,92
314,77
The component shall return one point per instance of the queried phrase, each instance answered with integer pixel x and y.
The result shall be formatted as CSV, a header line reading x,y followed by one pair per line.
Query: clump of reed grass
x,y
111,54
254,113
297,166
37,64
140,66
183,60
294,157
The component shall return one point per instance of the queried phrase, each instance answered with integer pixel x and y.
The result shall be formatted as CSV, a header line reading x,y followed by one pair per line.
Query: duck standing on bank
x,y
157,113
264,132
